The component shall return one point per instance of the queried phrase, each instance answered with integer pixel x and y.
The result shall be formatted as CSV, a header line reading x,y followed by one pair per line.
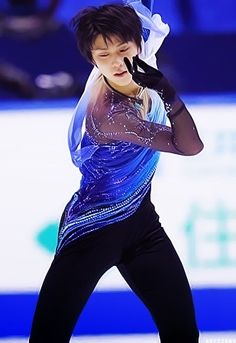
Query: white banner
x,y
195,197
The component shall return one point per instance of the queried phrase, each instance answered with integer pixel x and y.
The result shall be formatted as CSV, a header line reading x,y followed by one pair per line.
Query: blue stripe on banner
x,y
37,104
198,99
120,313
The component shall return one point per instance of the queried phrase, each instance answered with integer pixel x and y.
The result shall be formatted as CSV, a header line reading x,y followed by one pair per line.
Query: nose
x,y
118,61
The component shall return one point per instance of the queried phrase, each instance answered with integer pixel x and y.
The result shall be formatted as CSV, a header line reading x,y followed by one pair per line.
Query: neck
x,y
131,89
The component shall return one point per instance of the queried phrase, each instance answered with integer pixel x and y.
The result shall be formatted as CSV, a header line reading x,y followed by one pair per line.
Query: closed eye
x,y
123,50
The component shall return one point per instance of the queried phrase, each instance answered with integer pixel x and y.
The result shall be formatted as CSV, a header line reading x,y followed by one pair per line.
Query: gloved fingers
x,y
146,67
128,65
135,65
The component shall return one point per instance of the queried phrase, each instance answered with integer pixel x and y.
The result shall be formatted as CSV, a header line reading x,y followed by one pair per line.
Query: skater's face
x,y
109,55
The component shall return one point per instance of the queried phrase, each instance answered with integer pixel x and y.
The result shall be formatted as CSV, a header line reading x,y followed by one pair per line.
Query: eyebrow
x,y
107,48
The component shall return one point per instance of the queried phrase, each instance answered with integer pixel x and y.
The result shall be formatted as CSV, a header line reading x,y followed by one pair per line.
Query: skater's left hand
x,y
150,77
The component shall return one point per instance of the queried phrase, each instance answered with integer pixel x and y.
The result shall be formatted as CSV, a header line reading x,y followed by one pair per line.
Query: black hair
x,y
110,19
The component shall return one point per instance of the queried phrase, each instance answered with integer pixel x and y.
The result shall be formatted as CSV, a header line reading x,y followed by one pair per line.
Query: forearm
x,y
185,135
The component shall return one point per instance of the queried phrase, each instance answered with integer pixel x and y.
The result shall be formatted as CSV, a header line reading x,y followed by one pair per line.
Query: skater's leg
x,y
68,284
155,272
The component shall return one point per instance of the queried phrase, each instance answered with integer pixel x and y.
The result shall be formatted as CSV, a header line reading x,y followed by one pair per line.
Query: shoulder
x,y
110,104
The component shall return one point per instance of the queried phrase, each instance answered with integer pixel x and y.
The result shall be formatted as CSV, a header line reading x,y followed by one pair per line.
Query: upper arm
x,y
127,126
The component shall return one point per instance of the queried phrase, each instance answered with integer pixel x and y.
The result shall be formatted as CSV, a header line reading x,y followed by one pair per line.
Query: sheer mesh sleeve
x,y
185,136
125,125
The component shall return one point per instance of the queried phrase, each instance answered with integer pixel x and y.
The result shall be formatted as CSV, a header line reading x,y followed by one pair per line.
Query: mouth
x,y
120,74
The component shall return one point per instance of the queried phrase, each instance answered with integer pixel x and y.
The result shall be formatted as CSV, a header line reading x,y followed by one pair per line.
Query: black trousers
x,y
147,260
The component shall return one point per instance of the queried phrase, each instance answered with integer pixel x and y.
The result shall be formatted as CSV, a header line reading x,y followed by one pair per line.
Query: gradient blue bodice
x,y
114,182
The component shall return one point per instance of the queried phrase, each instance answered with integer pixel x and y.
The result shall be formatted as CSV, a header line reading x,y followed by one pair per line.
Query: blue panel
x,y
216,309
198,99
120,313
37,104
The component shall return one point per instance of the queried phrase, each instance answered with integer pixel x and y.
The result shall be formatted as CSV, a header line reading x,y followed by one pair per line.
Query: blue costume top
x,y
119,150
116,174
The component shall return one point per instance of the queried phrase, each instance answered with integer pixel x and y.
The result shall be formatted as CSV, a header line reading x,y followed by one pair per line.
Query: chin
x,y
123,82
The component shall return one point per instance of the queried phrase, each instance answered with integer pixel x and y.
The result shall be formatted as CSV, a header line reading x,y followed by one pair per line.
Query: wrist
x,y
166,91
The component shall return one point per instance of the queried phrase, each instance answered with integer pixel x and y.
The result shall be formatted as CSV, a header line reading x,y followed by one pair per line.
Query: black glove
x,y
151,78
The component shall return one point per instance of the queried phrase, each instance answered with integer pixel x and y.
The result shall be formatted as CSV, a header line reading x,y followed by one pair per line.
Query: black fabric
x,y
151,78
146,258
